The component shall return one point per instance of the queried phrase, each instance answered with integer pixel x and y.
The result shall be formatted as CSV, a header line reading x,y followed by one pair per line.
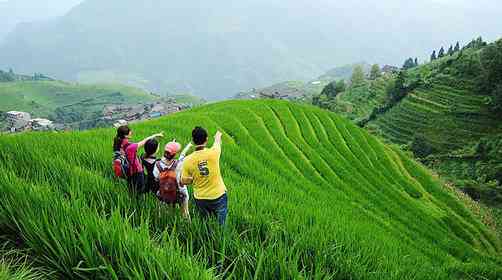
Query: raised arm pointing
x,y
217,138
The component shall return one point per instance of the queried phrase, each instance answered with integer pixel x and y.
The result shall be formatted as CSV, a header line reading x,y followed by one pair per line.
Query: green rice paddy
x,y
311,196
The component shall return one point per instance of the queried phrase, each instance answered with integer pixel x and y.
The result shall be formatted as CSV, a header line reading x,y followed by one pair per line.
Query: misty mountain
x,y
13,12
217,48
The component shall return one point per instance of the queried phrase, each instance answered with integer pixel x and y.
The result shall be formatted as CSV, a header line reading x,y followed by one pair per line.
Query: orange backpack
x,y
168,185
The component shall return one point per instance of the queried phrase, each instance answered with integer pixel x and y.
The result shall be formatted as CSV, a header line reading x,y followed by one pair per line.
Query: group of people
x,y
167,177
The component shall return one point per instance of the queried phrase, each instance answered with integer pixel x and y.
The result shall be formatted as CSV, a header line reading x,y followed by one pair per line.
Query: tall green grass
x,y
15,266
311,197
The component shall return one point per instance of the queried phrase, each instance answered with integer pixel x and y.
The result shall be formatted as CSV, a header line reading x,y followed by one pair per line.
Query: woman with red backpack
x,y
134,170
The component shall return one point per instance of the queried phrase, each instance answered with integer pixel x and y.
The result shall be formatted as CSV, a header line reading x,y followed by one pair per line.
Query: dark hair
x,y
199,135
151,147
122,132
168,155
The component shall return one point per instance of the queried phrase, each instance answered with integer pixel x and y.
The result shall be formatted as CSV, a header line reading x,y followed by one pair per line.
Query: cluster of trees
x,y
482,178
442,53
358,77
7,76
476,43
395,93
375,72
410,63
326,99
421,147
491,74
10,76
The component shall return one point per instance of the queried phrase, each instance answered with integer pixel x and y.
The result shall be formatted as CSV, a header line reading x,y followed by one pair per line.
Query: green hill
x,y
445,112
357,103
62,101
311,196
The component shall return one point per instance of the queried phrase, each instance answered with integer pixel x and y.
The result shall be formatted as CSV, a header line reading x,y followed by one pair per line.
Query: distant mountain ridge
x,y
212,48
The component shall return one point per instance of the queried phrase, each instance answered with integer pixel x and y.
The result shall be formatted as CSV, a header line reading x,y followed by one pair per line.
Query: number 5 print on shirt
x,y
203,169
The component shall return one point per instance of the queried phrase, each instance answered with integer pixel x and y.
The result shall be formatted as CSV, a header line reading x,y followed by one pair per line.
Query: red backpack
x,y
168,185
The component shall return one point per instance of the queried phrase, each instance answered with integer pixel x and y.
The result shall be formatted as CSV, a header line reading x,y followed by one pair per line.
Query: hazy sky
x,y
13,12
461,18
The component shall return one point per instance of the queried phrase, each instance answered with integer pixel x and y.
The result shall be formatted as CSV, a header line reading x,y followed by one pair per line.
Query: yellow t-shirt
x,y
204,167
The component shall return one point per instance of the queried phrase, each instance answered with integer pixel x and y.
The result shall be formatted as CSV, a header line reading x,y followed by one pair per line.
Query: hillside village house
x,y
17,121
120,123
132,113
41,124
21,121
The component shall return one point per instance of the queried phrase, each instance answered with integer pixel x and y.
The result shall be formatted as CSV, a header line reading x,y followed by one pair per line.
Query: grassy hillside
x,y
444,112
448,116
446,109
47,98
186,98
357,103
311,196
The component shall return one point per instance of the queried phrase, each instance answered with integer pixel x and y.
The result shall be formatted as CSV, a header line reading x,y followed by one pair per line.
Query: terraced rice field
x,y
358,103
450,118
311,197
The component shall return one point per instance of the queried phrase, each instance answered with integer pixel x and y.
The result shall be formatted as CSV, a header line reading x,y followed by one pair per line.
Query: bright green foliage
x,y
358,103
476,44
14,266
375,72
478,169
445,107
449,117
326,99
491,74
440,111
340,86
311,197
186,98
358,76
330,90
10,271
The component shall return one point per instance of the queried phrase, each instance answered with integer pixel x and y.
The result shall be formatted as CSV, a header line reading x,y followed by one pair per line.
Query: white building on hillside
x,y
120,123
17,120
41,124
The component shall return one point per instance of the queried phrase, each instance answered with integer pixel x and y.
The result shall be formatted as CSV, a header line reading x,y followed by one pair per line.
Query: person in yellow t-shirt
x,y
202,170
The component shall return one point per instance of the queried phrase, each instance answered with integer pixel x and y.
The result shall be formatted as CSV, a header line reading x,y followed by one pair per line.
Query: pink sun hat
x,y
173,147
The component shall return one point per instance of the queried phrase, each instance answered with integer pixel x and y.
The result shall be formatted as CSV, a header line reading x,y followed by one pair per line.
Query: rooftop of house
x,y
41,122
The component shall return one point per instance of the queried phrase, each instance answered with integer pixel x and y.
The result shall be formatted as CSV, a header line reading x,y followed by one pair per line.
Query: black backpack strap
x,y
173,165
159,167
